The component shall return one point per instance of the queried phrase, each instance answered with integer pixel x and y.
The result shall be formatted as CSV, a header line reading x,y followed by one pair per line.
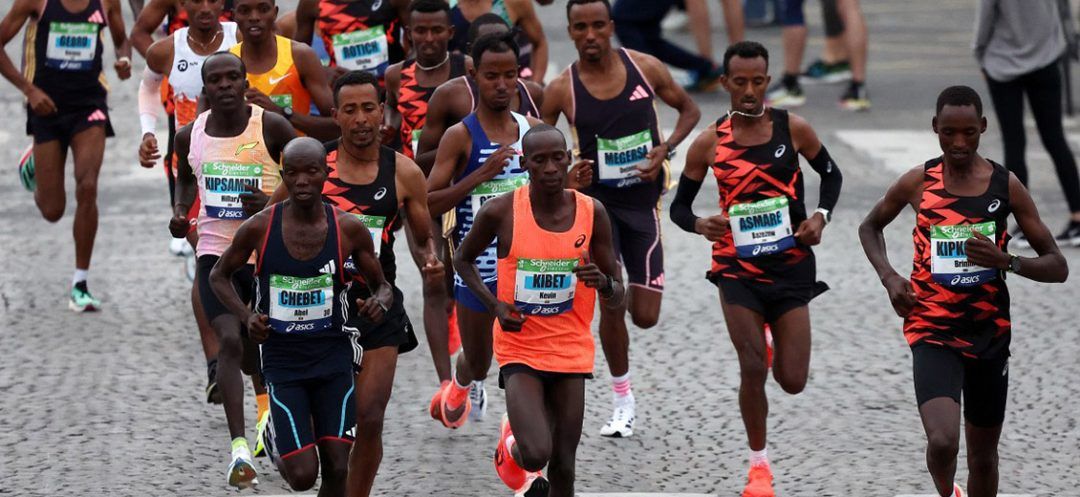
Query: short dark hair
x,y
571,3
494,42
430,6
745,50
539,129
481,21
959,96
357,78
215,55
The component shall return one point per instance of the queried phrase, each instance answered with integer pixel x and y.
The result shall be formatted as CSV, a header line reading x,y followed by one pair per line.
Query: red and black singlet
x,y
413,98
361,34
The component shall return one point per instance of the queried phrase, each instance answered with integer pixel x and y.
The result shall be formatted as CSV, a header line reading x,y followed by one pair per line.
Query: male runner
x,y
521,14
379,187
956,305
359,35
477,160
762,260
547,237
304,298
172,13
227,151
458,97
608,98
64,84
175,61
285,76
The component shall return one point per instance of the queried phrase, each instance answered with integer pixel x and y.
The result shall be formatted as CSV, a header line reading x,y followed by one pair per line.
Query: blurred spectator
x,y
637,25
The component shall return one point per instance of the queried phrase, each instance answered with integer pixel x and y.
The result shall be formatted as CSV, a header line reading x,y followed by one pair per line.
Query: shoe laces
x,y
623,414
477,395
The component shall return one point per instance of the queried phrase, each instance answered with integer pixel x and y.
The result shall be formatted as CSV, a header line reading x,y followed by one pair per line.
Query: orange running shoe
x,y
454,417
523,483
454,336
759,483
435,408
768,346
957,491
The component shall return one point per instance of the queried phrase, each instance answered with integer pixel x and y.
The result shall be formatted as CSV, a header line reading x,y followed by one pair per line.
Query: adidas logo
x,y
97,17
328,268
658,281
97,115
639,93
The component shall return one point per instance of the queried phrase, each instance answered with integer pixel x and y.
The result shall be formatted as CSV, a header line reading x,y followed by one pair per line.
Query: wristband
x,y
604,293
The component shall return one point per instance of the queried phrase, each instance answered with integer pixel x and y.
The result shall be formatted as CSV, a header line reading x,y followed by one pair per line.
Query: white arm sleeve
x,y
149,100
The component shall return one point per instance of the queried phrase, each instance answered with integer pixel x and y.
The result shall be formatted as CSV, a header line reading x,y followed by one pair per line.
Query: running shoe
x,y
523,483
957,491
478,398
1019,240
81,300
786,93
213,393
821,72
456,417
855,98
759,483
241,471
1071,235
705,82
435,408
26,169
454,336
260,432
180,247
622,419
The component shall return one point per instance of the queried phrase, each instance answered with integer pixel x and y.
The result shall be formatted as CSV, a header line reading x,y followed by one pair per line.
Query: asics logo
x,y
780,151
965,280
376,5
639,93
994,206
274,81
293,327
580,241
380,194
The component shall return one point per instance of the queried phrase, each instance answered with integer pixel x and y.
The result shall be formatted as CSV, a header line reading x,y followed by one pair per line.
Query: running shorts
x,y
310,411
65,124
243,282
545,377
636,237
944,372
772,300
395,329
464,296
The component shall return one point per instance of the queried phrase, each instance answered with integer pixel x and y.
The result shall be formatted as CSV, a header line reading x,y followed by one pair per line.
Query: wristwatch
x,y
670,150
609,290
825,214
1014,264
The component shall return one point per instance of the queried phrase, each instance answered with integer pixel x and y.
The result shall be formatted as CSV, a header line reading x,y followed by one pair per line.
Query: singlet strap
x,y
266,237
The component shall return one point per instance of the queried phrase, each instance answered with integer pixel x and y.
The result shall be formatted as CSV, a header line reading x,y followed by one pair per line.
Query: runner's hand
x,y
148,151
256,97
713,228
258,327
123,69
580,175
809,232
39,102
982,251
588,273
333,73
497,162
254,200
657,155
901,294
509,316
179,225
387,134
433,271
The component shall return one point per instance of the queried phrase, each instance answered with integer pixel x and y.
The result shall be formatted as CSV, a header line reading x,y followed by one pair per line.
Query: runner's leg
x,y
746,329
982,454
526,406
941,421
230,381
567,400
374,384
791,336
88,151
474,362
49,159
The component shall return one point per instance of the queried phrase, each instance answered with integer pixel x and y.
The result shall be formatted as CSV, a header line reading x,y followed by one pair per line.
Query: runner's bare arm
x,y
115,17
147,22
307,11
1050,265
10,26
360,247
246,240
523,14
186,188
903,193
435,125
413,186
277,132
602,253
314,80
453,151
556,94
286,25
391,116
489,224
657,75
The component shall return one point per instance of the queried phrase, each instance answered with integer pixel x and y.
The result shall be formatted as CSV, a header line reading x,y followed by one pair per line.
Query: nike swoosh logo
x,y
275,81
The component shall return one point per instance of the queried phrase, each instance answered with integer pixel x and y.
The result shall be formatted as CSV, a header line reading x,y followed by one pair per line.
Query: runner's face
x,y
304,178
746,81
359,114
591,28
224,83
430,33
203,14
959,128
496,78
546,159
255,18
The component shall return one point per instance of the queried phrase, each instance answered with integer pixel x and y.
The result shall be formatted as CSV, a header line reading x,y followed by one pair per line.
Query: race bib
x,y
949,264
545,287
301,305
620,158
761,228
283,100
375,225
493,188
223,182
362,50
71,46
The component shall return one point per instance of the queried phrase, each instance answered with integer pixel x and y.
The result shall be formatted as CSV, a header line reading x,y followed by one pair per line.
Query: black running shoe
x,y
1071,235
1019,240
213,393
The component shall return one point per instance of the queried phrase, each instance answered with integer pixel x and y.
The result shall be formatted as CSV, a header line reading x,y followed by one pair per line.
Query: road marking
x,y
647,495
934,495
897,150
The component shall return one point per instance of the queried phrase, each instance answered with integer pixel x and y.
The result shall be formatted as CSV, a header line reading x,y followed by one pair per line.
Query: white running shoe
x,y
241,471
622,420
180,247
478,398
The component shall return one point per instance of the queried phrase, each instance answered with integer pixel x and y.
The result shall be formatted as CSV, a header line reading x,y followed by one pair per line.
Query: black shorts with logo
x,y
943,372
64,124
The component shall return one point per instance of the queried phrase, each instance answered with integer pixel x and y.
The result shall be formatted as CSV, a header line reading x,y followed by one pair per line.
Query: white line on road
x,y
643,495
998,495
897,150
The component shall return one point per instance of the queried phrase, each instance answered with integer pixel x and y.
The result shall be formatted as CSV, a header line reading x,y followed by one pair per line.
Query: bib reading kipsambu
x,y
362,50
493,188
72,46
223,183
301,305
761,228
620,158
948,255
545,287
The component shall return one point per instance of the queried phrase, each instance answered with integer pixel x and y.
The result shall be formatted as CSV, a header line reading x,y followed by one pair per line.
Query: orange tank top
x,y
282,82
536,276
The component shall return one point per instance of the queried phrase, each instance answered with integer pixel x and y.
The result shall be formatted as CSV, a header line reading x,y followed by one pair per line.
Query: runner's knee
x,y
52,210
942,446
645,318
982,461
86,190
230,345
792,382
302,476
369,421
336,468
753,372
535,455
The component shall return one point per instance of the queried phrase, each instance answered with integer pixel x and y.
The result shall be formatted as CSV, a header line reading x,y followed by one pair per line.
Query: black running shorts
x,y
310,411
395,329
243,282
636,237
64,125
944,372
772,300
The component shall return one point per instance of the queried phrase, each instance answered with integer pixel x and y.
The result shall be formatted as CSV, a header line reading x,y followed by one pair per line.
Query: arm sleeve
x,y
831,179
682,211
149,100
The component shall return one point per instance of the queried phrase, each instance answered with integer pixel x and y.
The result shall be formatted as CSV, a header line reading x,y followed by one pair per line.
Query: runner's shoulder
x,y
159,55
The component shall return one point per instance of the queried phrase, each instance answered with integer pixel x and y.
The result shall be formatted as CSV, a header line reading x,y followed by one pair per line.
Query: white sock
x,y
759,457
621,385
80,275
478,384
